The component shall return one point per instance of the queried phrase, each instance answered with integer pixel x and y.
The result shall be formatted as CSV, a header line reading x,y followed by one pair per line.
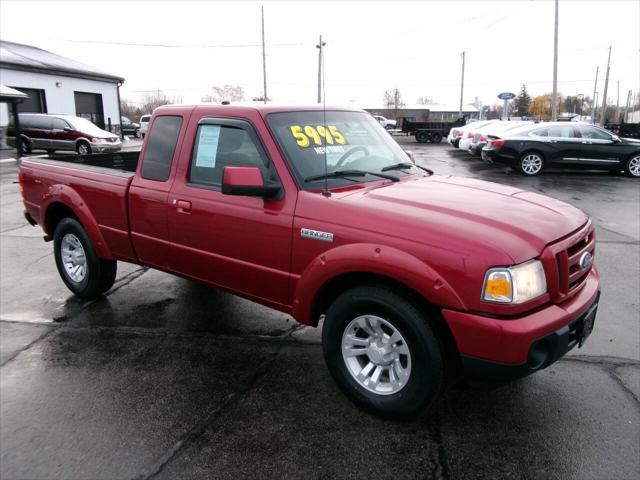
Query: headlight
x,y
516,284
99,140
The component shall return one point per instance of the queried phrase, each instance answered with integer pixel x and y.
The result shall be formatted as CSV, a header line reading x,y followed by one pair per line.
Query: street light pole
x,y
554,97
603,114
461,88
320,45
594,104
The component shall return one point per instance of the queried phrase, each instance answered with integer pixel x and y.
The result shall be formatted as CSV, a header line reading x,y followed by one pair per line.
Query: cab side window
x,y
564,131
219,146
156,164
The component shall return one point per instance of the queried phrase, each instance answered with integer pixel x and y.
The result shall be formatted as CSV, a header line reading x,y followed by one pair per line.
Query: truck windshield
x,y
352,141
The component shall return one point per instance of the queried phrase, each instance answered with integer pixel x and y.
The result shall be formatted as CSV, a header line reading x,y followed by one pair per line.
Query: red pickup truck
x,y
320,214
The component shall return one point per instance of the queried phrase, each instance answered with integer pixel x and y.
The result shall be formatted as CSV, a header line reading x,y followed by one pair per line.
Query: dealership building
x,y
56,84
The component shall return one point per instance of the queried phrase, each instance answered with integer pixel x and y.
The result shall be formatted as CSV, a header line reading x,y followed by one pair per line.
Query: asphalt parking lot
x,y
163,378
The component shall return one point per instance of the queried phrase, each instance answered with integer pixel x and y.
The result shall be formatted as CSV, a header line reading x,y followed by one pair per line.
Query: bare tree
x,y
153,100
229,93
393,100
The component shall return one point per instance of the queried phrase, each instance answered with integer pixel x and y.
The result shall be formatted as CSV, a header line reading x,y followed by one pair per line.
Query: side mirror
x,y
615,139
410,155
67,129
247,181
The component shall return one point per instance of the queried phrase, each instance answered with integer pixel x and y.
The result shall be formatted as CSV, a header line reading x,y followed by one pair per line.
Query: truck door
x,y
149,191
241,243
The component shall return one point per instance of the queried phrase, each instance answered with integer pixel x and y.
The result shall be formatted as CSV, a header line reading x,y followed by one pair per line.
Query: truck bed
x,y
109,163
97,185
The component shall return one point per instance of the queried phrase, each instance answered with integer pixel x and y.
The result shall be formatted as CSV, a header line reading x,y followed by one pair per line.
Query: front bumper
x,y
498,349
106,147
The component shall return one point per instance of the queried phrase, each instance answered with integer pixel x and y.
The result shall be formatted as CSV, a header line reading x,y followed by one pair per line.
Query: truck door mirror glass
x,y
248,181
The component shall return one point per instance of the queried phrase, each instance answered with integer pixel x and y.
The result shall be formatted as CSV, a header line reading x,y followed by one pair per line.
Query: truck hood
x,y
518,222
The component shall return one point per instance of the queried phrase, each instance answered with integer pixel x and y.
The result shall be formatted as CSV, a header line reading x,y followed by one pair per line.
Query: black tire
x,y
83,148
525,162
422,137
426,377
436,138
100,274
632,166
25,146
135,133
51,151
142,134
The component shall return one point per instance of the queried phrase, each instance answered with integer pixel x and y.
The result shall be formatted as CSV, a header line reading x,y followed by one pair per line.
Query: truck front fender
x,y
67,196
373,259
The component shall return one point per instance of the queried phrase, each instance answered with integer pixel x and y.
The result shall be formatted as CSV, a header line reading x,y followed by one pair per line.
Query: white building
x,y
56,84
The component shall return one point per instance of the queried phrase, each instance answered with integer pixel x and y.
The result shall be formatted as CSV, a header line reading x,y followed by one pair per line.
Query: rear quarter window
x,y
161,145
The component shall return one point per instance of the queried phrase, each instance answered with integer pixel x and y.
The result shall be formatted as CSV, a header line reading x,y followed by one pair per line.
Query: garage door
x,y
89,106
36,102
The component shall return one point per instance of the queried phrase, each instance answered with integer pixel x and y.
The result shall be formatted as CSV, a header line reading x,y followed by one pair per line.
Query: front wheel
x,y
81,270
83,148
531,164
632,167
382,353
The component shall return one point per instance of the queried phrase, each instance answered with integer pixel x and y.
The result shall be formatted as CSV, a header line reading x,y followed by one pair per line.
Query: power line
x,y
169,45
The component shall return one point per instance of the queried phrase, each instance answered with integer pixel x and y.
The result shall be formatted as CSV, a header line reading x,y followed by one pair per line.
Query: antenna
x,y
326,192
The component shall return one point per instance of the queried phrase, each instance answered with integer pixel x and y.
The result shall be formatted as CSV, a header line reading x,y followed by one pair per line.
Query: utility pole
x,y
603,114
626,109
618,104
594,105
461,87
264,59
554,96
320,46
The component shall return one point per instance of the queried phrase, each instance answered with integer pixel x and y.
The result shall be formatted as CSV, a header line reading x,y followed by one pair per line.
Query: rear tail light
x,y
455,133
21,183
497,143
483,139
470,135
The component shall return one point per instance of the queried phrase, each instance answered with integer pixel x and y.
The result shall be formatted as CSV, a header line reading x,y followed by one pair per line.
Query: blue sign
x,y
506,96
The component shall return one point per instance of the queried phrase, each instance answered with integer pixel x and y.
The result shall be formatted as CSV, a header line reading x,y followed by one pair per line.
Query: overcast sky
x,y
371,46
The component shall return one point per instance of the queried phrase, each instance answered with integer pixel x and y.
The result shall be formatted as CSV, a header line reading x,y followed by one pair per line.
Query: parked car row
x,y
532,147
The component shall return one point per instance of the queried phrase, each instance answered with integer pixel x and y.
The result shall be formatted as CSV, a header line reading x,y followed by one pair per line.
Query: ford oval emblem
x,y
586,259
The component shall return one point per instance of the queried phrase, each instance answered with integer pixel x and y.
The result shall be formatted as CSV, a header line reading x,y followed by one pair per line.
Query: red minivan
x,y
62,132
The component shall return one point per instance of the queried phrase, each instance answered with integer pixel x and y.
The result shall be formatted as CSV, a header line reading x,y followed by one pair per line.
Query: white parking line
x,y
8,160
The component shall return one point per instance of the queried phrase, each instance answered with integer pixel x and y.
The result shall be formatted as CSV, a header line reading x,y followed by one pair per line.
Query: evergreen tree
x,y
522,102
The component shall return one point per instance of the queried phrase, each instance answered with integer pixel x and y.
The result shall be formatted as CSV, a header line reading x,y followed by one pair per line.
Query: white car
x,y
385,122
483,134
468,134
455,134
144,124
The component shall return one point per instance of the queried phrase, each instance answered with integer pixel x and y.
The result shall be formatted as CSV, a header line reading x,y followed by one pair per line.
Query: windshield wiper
x,y
349,173
403,165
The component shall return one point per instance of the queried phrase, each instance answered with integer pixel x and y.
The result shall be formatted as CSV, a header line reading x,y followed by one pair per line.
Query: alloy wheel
x,y
73,257
531,164
634,166
376,354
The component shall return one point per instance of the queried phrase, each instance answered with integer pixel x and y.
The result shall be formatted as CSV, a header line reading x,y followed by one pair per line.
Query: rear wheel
x,y
531,163
382,353
86,275
83,148
632,166
422,137
436,138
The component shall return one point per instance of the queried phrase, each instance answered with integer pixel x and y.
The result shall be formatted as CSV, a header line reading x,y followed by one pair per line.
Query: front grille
x,y
571,274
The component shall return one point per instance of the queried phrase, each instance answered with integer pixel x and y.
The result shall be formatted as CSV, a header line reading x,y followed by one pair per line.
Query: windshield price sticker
x,y
305,135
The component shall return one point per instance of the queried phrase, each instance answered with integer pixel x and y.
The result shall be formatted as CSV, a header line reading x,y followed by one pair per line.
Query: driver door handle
x,y
183,206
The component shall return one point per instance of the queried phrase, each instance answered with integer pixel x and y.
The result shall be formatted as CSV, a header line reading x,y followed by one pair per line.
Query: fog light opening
x,y
539,354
